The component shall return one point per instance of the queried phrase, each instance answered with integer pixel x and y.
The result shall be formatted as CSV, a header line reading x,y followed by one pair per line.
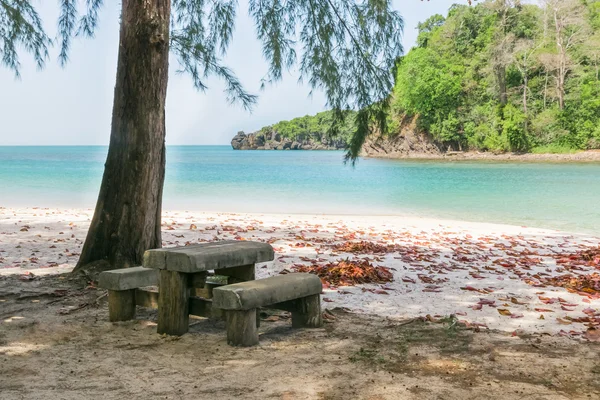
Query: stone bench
x,y
180,273
125,292
180,266
298,293
123,285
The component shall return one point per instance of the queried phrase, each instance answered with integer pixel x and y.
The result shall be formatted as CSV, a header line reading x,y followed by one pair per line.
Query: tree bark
x,y
525,84
561,71
126,220
500,71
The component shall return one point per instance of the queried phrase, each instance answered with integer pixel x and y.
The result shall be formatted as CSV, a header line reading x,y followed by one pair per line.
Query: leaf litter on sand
x,y
364,247
348,272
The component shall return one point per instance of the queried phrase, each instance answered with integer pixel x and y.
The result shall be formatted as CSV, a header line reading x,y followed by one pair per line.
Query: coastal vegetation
x,y
506,75
315,127
498,76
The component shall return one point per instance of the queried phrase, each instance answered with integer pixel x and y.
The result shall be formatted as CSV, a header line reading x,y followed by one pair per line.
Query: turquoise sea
x,y
217,178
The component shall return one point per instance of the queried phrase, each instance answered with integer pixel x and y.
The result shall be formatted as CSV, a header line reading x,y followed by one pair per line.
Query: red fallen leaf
x,y
473,325
408,279
514,300
430,290
563,321
379,291
593,335
477,307
543,310
486,302
516,316
463,314
566,308
327,300
581,320
328,316
429,318
589,311
547,300
504,311
472,289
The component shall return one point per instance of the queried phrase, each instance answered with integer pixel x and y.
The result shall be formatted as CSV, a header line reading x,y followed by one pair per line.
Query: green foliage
x,y
513,127
429,87
316,127
452,81
426,28
554,148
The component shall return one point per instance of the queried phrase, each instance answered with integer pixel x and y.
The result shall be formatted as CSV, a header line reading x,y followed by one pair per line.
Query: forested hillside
x,y
504,75
498,75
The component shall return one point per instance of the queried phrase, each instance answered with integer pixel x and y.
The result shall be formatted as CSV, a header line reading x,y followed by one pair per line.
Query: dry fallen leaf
x,y
593,335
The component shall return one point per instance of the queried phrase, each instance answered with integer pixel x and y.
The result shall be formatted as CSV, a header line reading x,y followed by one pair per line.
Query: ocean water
x,y
217,178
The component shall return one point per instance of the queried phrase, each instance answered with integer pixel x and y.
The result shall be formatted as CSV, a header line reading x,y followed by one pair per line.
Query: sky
x,y
72,105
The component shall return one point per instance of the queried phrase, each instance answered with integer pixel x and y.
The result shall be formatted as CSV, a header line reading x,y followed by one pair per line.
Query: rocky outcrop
x,y
408,143
274,141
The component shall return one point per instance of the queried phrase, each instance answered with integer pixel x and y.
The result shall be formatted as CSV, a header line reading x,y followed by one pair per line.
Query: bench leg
x,y
241,327
243,273
121,305
307,313
173,303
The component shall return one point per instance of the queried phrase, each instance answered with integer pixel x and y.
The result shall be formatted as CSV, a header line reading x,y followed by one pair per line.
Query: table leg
x,y
243,273
173,303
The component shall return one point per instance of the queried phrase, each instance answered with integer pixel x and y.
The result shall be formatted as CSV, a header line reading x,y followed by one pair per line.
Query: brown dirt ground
x,y
56,343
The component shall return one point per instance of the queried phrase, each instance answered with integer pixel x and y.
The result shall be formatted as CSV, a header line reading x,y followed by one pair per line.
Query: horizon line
x,y
97,145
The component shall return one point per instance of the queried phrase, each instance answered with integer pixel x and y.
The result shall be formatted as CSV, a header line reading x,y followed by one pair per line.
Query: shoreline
x,y
410,218
587,156
433,260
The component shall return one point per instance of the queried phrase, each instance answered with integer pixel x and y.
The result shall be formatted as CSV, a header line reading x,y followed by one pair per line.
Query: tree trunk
x,y
562,70
126,220
500,72
525,83
545,89
560,87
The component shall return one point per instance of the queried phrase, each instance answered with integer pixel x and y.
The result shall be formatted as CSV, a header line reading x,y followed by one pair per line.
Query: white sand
x,y
42,241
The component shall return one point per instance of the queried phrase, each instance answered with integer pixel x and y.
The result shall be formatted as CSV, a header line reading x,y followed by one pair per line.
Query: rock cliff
x,y
272,140
407,143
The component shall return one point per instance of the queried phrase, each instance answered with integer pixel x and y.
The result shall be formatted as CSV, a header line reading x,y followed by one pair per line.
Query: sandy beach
x,y
490,276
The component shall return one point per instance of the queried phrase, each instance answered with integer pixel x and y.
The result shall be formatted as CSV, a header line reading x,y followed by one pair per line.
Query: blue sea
x,y
217,178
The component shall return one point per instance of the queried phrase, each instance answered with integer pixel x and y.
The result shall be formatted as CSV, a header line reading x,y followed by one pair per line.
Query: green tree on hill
x,y
316,127
506,75
344,48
